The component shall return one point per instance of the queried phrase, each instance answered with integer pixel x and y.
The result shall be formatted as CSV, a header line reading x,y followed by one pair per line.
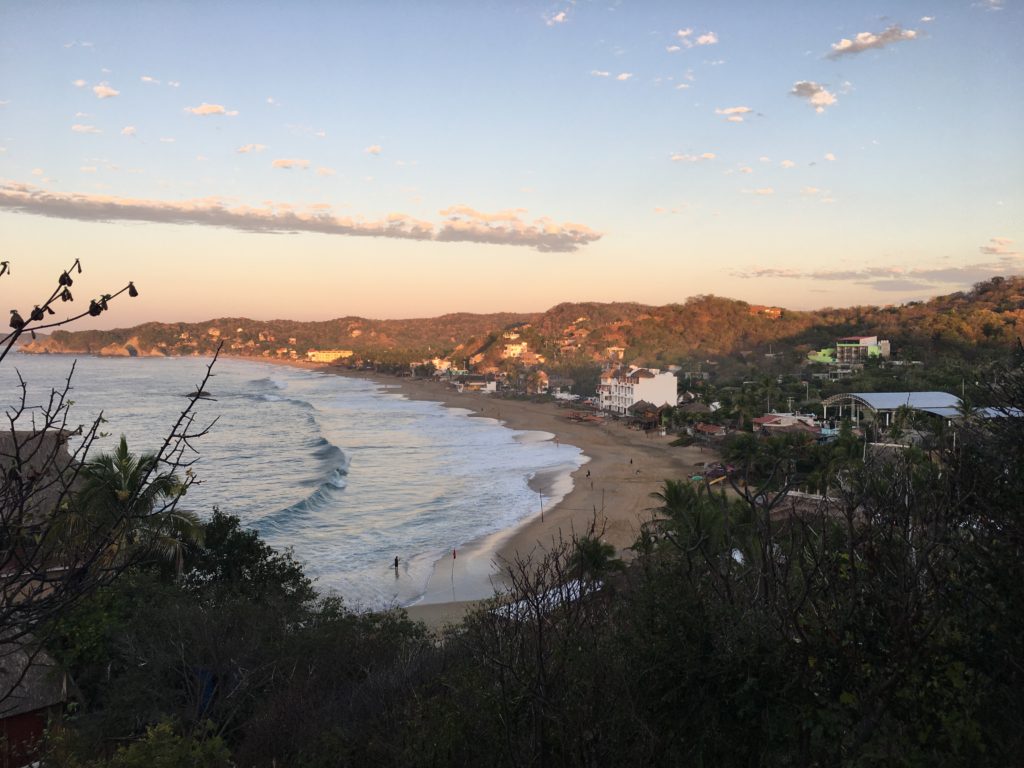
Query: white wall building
x,y
621,388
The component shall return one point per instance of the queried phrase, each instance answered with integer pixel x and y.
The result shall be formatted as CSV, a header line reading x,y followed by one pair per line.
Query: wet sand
x,y
611,493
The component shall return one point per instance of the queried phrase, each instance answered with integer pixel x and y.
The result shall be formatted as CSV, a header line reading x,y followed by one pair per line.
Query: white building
x,y
621,388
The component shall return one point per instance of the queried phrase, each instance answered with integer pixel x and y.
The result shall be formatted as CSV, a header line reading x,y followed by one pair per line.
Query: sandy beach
x,y
611,492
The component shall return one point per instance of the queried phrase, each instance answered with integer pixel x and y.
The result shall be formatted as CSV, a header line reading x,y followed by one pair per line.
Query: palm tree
x,y
593,558
127,500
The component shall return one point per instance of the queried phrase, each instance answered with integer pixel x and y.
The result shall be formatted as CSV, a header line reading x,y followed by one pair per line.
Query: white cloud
x,y
150,80
79,128
79,83
764,191
865,41
734,114
830,157
682,86
128,130
623,76
599,73
374,149
173,84
746,169
38,172
246,148
104,91
167,140
685,158
927,19
815,94
287,163
687,40
673,48
206,110
460,224
787,164
559,18
764,159
88,169
810,190
323,171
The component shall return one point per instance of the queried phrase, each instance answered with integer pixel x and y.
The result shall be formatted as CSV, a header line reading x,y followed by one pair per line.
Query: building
x,y
852,350
621,388
514,350
328,355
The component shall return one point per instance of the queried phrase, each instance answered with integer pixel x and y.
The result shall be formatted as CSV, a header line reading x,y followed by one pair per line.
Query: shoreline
x,y
610,493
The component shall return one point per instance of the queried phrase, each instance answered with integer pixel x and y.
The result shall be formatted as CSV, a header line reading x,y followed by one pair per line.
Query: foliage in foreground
x,y
885,628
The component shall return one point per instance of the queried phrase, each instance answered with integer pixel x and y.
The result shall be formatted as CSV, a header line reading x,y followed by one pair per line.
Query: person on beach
x,y
396,564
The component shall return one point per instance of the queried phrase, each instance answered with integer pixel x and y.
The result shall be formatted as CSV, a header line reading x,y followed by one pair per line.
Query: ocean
x,y
344,472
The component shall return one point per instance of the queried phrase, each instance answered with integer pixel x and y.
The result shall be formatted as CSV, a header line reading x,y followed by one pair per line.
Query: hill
x,y
969,324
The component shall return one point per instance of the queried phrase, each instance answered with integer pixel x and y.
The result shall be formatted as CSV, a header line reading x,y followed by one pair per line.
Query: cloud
x,y
673,48
815,94
788,164
461,223
687,40
764,191
890,278
865,41
38,172
999,246
830,157
173,84
810,190
104,91
623,76
207,110
128,130
288,163
323,171
746,169
734,114
682,86
79,83
508,228
150,80
683,158
927,19
79,128
373,149
246,148
88,169
559,18
167,139
599,73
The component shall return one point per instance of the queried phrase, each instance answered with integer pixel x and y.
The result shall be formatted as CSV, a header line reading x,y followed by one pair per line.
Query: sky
x,y
313,160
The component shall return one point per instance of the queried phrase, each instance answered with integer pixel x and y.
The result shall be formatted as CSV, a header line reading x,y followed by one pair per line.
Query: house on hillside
x,y
34,689
854,350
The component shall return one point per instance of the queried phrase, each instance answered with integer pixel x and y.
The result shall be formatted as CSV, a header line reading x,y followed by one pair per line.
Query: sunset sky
x,y
311,160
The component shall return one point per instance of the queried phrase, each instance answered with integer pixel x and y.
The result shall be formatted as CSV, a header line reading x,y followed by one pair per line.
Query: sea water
x,y
344,472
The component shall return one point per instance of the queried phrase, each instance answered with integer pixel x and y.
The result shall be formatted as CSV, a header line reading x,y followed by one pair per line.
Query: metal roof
x,y
940,403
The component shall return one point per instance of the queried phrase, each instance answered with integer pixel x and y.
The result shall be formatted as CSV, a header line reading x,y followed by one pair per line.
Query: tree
x,y
42,573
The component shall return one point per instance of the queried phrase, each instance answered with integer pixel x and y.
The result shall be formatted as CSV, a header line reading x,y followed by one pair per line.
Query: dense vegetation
x,y
883,627
970,325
